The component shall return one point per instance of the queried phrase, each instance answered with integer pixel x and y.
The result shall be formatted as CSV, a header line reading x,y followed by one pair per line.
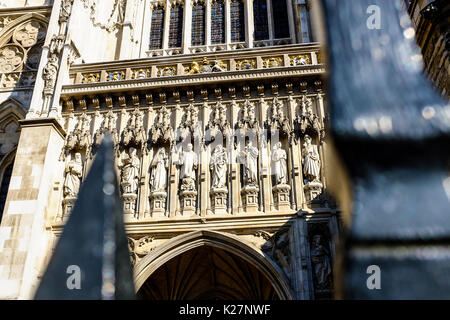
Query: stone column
x,y
126,44
187,25
235,172
249,23
28,210
295,160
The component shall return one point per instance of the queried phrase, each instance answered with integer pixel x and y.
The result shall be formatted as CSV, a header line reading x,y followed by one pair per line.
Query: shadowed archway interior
x,y
207,273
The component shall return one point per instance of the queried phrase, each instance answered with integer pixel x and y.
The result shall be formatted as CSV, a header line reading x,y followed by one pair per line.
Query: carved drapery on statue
x,y
159,165
279,158
218,165
130,176
320,258
188,163
72,181
311,161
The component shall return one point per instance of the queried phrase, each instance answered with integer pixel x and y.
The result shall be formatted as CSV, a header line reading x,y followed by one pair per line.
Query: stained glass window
x,y
218,22
280,19
176,26
237,21
198,24
157,27
260,18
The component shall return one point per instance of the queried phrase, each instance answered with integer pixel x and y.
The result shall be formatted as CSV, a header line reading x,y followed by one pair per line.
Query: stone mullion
x,y
249,23
227,24
270,23
166,27
290,12
187,25
208,23
144,191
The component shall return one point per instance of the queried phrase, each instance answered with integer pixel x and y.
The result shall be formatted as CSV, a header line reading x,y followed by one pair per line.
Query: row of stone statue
x,y
130,171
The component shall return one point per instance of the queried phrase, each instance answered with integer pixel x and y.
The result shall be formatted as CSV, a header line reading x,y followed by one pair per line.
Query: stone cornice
x,y
195,79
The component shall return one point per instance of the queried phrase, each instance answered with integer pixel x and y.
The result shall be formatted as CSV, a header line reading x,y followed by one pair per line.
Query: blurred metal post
x,y
390,131
93,245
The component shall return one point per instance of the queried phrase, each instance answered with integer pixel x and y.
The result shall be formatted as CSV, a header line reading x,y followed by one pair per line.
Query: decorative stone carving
x,y
249,157
29,33
161,130
66,8
306,118
277,119
49,74
158,182
140,248
320,258
246,64
190,126
219,122
277,247
188,162
130,175
108,127
279,164
167,71
300,60
219,192
11,58
272,62
72,181
281,189
206,66
79,138
134,133
311,161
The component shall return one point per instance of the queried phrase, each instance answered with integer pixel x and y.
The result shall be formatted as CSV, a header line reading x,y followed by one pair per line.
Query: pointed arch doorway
x,y
207,265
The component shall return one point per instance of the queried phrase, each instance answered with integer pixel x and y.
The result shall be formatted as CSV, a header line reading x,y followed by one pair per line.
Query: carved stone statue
x,y
74,171
188,162
320,258
311,161
250,159
130,172
218,166
279,164
158,180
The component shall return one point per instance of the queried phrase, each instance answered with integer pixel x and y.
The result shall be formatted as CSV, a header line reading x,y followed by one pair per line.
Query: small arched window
x,y
237,21
157,27
280,19
176,26
261,21
218,22
6,178
198,24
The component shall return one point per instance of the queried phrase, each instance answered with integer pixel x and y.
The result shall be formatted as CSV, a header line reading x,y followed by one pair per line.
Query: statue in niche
x,y
279,164
320,258
130,172
311,161
218,166
188,162
250,160
74,171
159,165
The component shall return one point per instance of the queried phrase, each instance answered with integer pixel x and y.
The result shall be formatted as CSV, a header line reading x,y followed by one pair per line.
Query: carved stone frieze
x,y
134,133
161,130
80,138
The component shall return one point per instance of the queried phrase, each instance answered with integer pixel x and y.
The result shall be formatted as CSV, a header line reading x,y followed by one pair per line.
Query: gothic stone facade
x,y
216,109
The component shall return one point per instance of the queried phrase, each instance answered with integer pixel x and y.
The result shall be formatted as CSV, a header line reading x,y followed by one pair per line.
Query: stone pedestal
x,y
129,203
250,196
188,202
158,204
313,190
281,196
68,204
219,198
